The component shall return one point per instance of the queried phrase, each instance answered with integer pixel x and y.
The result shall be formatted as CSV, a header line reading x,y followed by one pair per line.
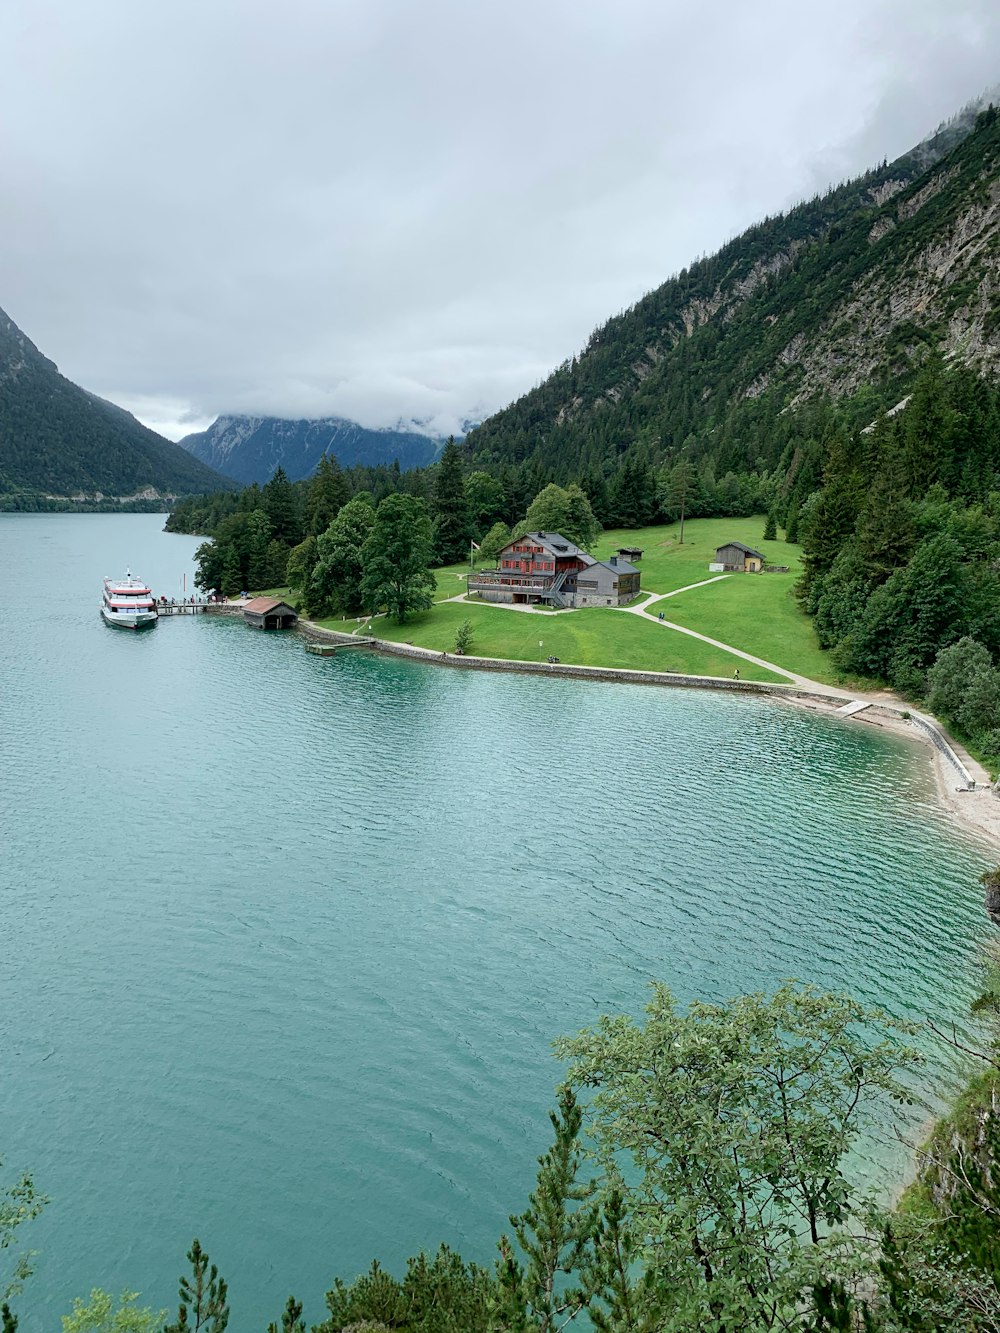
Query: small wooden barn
x,y
631,553
269,613
734,557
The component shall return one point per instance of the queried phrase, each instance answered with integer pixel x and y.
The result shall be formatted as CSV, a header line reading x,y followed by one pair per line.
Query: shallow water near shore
x,y
284,940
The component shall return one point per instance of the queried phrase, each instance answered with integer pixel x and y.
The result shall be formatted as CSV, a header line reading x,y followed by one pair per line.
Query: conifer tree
x,y
452,528
770,527
553,1234
281,505
291,1319
682,487
232,577
326,494
258,553
203,1297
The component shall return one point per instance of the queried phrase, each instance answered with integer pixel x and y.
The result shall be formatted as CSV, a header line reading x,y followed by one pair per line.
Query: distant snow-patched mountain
x,y
251,448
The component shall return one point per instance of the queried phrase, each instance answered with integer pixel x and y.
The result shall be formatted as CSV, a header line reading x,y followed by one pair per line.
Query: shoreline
x,y
961,784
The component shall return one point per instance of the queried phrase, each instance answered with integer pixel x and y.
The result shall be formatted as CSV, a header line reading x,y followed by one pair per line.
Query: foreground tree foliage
x,y
103,1313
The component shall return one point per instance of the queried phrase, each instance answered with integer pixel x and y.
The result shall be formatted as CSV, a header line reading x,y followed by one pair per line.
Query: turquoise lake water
x,y
284,940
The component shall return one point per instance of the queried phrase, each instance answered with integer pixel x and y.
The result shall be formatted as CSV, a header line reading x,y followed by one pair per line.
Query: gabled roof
x,y
553,542
747,550
262,606
619,567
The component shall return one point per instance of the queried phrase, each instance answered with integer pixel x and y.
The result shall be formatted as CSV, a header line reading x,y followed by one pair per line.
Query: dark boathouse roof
x,y
747,550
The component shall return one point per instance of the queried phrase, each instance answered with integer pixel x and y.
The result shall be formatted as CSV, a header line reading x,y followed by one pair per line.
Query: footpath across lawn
x,y
595,637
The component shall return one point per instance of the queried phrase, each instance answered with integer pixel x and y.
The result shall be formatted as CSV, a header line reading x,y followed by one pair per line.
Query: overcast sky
x,y
390,209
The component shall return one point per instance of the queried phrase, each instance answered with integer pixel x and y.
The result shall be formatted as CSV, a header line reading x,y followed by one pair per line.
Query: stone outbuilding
x,y
269,613
611,582
735,558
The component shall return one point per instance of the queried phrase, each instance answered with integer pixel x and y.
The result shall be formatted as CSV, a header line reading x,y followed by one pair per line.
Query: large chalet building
x,y
548,568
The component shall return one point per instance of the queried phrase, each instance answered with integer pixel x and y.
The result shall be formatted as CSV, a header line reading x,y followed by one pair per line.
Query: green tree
x,y
792,522
463,638
680,490
291,1319
397,557
581,525
438,1295
452,527
230,580
737,1119
20,1203
104,1314
770,527
555,1230
956,670
327,492
338,573
494,542
258,568
485,498
281,505
566,511
300,564
204,1297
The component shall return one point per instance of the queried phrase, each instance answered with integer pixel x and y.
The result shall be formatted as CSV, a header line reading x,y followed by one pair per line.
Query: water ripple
x,y
286,940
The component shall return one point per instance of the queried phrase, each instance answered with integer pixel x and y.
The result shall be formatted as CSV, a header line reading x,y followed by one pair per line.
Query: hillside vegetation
x,y
58,440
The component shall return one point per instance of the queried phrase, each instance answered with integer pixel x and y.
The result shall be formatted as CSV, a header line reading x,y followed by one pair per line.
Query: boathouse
x,y
735,558
269,613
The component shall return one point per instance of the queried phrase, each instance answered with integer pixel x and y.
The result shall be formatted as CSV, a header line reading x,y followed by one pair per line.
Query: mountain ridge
x,y
58,440
250,449
846,290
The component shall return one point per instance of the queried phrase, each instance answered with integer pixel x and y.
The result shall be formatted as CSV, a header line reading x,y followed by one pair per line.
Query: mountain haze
x,y
58,439
250,449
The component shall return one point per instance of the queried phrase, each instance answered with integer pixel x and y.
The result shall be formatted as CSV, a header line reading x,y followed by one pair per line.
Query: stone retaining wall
x,y
625,676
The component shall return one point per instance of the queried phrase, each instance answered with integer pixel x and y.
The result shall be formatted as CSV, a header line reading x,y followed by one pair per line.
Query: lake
x,y
285,940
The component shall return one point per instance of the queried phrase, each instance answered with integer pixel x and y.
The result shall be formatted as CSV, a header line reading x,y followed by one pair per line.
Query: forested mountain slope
x,y
251,449
57,439
845,293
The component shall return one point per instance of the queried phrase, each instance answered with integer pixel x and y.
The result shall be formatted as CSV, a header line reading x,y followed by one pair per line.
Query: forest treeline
x,y
696,1182
898,517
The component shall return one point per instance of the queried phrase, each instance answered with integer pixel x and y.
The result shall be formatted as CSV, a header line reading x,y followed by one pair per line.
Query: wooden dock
x,y
182,608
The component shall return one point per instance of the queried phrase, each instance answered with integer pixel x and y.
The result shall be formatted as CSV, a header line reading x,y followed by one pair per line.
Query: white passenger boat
x,y
128,603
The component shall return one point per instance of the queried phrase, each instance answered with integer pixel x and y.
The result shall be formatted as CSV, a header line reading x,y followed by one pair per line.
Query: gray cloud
x,y
386,209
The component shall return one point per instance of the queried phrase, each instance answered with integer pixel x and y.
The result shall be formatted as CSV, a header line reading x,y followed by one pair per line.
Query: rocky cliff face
x,y
250,449
850,289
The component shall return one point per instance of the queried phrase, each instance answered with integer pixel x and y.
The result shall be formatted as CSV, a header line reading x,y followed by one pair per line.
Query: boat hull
x,y
144,620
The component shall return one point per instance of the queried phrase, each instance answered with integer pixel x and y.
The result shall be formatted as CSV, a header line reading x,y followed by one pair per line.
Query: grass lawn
x,y
594,637
755,612
758,613
667,565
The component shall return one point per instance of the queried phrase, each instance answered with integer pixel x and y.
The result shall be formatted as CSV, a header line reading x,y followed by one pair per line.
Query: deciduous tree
x,y
397,557
737,1118
335,583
